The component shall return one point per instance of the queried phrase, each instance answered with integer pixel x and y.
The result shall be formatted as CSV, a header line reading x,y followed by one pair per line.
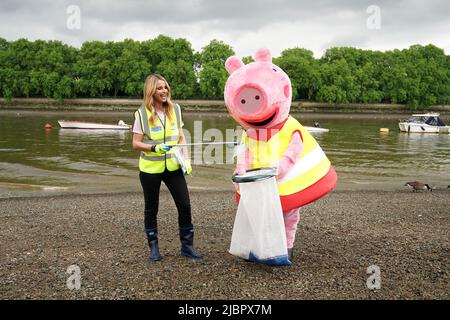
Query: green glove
x,y
162,148
188,167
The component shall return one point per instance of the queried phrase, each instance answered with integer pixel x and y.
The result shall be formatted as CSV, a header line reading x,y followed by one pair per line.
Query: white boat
x,y
66,124
424,123
316,129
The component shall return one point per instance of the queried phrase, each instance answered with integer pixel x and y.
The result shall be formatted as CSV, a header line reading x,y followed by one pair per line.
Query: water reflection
x,y
92,133
422,141
97,159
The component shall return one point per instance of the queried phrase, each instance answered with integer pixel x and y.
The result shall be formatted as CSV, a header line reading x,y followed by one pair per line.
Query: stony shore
x,y
405,234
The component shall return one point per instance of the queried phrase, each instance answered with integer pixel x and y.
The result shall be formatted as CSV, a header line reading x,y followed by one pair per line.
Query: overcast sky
x,y
246,25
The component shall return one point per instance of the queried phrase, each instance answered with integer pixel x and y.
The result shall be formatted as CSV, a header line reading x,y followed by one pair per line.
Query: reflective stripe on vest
x,y
159,157
167,133
311,165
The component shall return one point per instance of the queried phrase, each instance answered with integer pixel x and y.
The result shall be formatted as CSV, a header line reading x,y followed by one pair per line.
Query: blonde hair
x,y
150,85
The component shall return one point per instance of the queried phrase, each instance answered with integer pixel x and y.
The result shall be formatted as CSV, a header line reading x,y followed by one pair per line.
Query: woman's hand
x,y
188,166
162,148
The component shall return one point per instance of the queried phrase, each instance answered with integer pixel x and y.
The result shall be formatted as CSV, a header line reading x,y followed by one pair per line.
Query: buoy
x,y
48,126
384,129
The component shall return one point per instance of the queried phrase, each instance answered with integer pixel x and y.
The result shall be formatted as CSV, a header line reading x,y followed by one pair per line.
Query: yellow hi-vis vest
x,y
168,133
311,165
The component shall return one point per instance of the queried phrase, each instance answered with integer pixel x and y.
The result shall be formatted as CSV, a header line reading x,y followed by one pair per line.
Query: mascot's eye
x,y
257,97
243,101
274,69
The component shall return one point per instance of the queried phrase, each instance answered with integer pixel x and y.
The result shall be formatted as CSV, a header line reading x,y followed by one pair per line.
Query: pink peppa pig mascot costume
x,y
258,96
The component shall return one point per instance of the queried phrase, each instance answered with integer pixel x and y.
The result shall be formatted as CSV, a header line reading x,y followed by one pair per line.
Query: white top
x,y
137,122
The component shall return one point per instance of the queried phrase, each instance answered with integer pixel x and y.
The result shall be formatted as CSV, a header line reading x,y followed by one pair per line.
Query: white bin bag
x,y
258,231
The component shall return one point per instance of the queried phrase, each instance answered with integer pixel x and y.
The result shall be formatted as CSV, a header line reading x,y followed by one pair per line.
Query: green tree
x,y
213,74
428,81
16,62
3,47
3,44
212,80
176,61
302,69
368,84
164,48
180,74
53,66
93,68
248,59
418,76
338,83
393,80
131,67
216,51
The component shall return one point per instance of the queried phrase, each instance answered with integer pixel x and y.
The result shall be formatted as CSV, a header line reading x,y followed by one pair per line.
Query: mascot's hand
x,y
283,167
240,170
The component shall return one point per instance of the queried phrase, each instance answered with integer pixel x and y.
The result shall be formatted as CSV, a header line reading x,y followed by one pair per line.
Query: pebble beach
x,y
402,233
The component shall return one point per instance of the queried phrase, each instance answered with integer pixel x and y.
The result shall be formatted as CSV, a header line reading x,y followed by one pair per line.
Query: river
x,y
36,161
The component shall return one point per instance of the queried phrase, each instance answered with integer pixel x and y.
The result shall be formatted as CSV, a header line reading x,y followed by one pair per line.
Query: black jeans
x,y
176,183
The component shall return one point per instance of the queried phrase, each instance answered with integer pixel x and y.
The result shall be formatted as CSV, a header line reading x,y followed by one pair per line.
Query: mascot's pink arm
x,y
291,155
243,163
244,159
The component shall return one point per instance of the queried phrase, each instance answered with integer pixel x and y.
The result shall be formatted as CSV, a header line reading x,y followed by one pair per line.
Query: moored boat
x,y
316,129
67,124
424,123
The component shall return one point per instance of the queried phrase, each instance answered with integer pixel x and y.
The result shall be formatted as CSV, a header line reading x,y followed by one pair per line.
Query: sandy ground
x,y
405,234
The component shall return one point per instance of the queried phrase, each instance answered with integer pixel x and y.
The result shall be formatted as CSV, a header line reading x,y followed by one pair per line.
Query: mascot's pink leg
x,y
291,218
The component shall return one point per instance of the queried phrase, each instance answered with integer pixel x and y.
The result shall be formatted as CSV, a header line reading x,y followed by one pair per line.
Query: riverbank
x,y
201,106
405,234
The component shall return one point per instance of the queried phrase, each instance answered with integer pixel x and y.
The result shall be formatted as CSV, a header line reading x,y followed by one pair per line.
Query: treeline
x,y
417,76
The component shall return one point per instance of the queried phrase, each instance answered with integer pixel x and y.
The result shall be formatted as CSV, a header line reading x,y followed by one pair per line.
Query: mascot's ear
x,y
233,63
263,55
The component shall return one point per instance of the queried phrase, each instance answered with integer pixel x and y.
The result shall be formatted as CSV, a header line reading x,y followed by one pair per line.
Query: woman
x,y
156,132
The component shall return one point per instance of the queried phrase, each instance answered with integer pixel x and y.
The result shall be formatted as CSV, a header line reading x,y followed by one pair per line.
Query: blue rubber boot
x,y
187,243
152,237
